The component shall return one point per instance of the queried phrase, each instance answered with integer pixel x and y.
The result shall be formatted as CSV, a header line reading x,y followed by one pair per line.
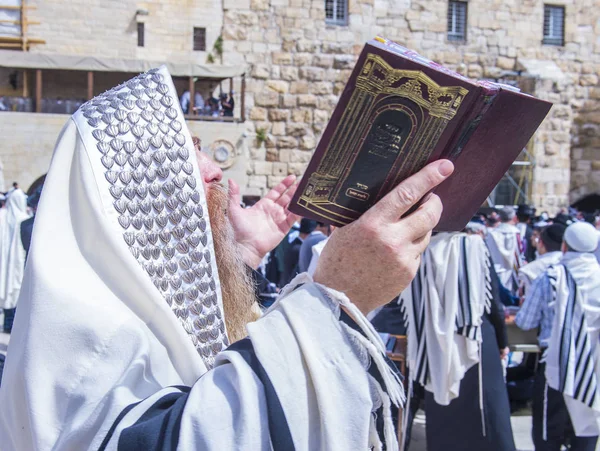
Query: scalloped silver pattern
x,y
140,145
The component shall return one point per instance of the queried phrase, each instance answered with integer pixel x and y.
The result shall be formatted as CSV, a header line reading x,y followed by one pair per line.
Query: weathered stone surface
x,y
260,71
266,99
258,114
287,142
293,129
307,100
278,86
279,115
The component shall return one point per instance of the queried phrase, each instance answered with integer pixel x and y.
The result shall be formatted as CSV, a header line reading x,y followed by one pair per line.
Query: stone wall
x,y
108,28
28,140
299,65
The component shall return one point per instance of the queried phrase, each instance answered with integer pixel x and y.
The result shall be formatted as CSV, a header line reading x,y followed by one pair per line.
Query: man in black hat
x,y
548,248
292,255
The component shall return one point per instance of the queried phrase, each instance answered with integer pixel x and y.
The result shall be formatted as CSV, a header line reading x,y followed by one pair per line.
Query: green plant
x,y
261,136
210,59
218,47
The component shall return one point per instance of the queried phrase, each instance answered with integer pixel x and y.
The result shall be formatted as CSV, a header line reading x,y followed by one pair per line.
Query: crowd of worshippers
x,y
455,315
17,215
221,106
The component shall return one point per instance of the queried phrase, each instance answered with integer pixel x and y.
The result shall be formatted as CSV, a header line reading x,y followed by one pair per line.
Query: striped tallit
x,y
443,309
571,357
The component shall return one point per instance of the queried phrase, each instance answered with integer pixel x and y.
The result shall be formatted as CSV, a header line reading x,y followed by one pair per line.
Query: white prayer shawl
x,y
505,249
444,307
116,327
12,253
573,355
317,249
531,271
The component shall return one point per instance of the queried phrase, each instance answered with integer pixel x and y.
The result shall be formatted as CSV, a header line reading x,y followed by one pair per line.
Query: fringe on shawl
x,y
369,340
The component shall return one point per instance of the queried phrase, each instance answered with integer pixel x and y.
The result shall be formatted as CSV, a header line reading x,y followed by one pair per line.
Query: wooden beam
x,y
24,26
38,91
90,85
243,98
192,90
25,83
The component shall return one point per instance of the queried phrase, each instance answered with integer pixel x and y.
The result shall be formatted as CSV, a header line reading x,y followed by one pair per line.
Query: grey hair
x,y
475,227
507,214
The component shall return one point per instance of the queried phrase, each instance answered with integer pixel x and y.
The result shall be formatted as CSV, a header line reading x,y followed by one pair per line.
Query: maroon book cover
x,y
400,111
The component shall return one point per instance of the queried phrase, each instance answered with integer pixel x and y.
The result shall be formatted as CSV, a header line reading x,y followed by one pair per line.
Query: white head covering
x,y
12,253
121,258
581,237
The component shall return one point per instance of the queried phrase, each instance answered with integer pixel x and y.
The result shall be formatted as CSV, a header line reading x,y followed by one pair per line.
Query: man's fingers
x,y
234,193
286,197
281,188
400,200
423,219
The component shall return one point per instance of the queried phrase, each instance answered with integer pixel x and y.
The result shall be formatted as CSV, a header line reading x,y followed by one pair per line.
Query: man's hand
x,y
504,353
260,228
376,257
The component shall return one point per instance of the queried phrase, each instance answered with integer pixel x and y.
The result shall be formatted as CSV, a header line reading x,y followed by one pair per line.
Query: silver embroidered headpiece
x,y
148,160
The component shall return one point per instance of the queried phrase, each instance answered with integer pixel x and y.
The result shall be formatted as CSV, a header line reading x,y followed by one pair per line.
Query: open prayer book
x,y
400,111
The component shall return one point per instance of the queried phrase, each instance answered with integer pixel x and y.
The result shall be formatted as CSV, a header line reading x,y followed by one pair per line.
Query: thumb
x,y
234,194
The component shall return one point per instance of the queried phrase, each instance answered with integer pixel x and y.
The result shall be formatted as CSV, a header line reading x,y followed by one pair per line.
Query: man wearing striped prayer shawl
x,y
505,246
135,287
564,303
453,348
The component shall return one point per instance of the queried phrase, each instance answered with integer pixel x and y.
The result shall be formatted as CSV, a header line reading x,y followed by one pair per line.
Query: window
x,y
457,21
554,25
200,39
140,32
336,12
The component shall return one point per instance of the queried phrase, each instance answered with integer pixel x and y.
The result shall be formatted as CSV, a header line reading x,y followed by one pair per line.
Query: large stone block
x,y
266,98
299,87
287,142
260,71
302,115
282,58
297,168
280,169
279,86
297,129
289,101
278,129
343,62
279,114
307,100
258,114
325,61
289,73
505,63
300,156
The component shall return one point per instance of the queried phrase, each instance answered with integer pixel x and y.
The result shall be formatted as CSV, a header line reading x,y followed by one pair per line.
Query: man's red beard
x,y
239,302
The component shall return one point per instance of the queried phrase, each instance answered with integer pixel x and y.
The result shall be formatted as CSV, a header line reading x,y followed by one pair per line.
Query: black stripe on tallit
x,y
565,339
467,287
112,429
281,437
157,429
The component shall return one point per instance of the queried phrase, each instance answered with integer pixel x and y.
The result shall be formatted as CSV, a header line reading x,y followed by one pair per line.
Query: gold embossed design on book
x,y
391,125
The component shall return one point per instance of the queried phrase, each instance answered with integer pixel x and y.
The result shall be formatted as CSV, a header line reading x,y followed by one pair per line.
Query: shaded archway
x,y
588,204
39,181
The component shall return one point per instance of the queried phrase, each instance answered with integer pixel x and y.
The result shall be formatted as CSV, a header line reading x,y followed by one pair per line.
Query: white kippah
x,y
581,237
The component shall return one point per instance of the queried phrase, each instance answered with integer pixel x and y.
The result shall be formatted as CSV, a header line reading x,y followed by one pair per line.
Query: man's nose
x,y
208,169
